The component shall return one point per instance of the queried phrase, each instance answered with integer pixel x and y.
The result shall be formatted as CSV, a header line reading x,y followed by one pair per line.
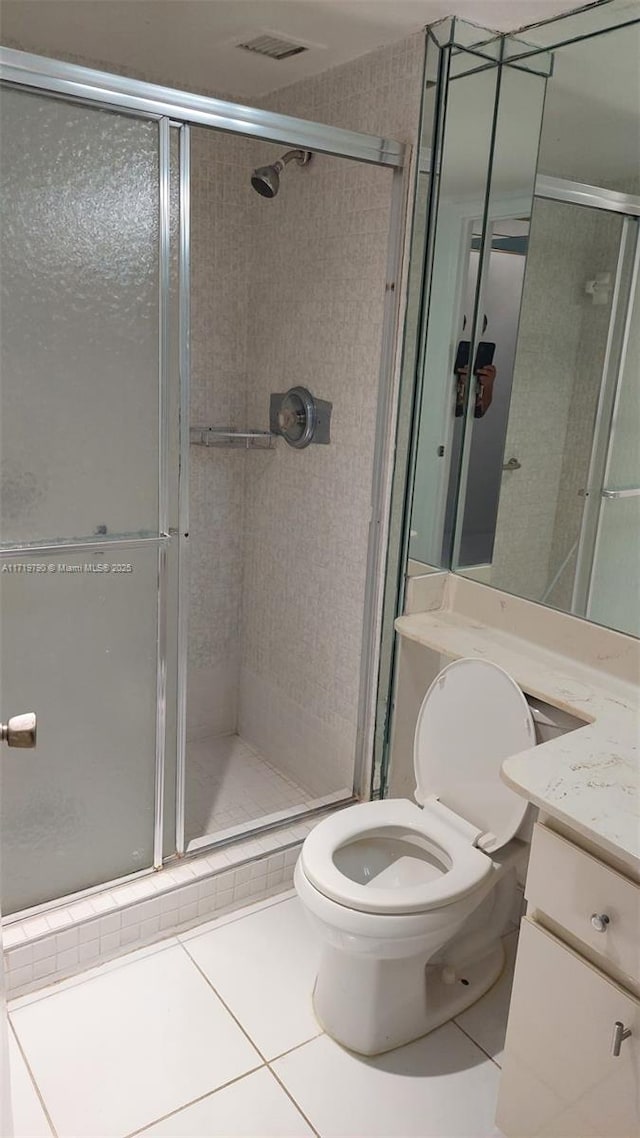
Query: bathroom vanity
x,y
572,1052
573,1039
571,1066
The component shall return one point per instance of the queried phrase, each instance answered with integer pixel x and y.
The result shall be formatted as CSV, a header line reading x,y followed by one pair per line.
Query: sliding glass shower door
x,y
611,597
83,248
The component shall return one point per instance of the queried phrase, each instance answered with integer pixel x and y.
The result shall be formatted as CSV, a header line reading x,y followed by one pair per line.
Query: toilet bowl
x,y
409,900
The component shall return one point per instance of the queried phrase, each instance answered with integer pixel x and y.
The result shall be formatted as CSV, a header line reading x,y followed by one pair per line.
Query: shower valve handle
x,y
289,418
20,730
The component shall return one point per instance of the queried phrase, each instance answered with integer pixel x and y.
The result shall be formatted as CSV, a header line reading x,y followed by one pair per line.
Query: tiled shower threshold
x,y
51,943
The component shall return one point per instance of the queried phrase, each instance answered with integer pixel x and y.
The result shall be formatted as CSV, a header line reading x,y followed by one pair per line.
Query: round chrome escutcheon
x,y
297,417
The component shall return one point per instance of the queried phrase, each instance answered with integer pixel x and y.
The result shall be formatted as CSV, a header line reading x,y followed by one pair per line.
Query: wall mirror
x,y
527,465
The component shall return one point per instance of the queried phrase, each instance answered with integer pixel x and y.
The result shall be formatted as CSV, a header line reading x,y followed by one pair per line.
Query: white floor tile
x,y
264,968
486,1021
255,1105
29,1119
91,973
441,1086
129,1046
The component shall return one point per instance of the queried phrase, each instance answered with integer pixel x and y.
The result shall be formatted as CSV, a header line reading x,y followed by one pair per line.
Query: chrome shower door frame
x,y
627,280
181,109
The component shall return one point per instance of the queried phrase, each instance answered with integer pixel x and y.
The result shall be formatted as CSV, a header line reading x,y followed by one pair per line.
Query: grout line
x,y
296,1047
475,1042
290,1096
193,1101
224,1004
266,1062
33,1080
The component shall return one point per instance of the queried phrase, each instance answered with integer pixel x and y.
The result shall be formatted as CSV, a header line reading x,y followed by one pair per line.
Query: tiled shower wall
x,y
316,304
286,292
220,273
561,343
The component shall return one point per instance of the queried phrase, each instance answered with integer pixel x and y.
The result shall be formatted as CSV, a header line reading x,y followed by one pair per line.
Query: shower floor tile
x,y
230,785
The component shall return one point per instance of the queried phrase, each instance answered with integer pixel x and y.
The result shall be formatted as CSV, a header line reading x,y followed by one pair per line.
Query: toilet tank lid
x,y
473,717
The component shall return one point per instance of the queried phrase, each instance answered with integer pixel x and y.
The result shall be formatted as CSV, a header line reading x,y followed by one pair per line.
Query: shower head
x,y
266,179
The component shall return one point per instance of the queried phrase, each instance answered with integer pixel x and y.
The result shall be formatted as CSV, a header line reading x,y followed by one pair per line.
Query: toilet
x,y
409,901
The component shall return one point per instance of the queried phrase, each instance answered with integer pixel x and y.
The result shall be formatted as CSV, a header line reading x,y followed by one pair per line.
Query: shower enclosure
x,y
190,606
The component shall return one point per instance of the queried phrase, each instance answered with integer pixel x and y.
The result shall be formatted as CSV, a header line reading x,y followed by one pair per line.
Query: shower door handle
x,y
20,730
633,493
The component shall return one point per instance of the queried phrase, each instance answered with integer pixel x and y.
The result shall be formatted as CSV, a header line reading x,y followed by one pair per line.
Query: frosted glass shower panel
x,y
623,471
79,320
613,597
79,635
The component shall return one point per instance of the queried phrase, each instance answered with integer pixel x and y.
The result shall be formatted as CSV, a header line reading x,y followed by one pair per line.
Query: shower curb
x,y
63,941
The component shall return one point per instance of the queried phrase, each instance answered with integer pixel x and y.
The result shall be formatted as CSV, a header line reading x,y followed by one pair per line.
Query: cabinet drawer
x,y
560,1077
570,886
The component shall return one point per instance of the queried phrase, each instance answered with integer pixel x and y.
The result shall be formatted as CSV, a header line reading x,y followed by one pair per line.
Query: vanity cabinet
x,y
572,1052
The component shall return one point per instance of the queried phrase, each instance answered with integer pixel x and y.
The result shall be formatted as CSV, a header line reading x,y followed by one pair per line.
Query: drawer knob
x,y
600,922
620,1033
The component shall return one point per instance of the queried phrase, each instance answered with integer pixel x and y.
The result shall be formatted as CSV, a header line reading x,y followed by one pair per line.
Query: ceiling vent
x,y
272,46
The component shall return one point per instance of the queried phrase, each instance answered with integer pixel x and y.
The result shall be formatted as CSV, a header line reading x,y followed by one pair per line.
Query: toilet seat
x,y
473,717
463,868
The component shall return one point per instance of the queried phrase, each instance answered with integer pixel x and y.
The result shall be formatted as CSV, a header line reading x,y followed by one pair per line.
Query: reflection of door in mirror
x,y
462,185
499,325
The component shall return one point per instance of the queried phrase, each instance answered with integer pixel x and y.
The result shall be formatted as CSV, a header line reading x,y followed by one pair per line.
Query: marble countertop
x,y
588,778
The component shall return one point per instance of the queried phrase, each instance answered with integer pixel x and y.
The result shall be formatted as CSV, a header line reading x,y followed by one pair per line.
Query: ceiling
x,y
192,43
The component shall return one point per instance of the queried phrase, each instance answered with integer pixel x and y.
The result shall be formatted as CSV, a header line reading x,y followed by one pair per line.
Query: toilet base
x,y
371,1006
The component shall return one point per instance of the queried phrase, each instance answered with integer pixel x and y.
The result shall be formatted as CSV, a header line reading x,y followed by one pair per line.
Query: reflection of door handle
x,y
20,731
620,1033
512,464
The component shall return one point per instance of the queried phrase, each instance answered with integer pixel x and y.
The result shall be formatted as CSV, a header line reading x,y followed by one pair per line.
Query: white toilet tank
x,y
551,722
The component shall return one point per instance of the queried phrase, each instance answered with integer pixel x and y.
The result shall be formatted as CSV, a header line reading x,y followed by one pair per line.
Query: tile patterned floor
x,y
229,784
212,1034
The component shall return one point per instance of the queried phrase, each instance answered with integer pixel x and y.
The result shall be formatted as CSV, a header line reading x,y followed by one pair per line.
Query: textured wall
x,y
316,307
220,270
